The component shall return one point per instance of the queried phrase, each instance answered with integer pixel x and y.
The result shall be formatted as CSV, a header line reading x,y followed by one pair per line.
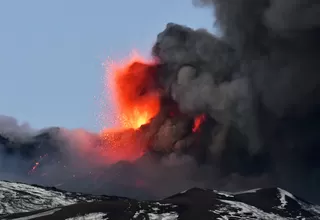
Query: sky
x,y
52,53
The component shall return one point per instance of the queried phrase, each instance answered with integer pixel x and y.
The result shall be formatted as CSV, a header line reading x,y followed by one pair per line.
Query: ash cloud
x,y
260,78
11,127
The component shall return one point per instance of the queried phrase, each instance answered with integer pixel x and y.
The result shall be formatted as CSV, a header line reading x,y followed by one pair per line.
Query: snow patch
x,y
136,215
242,210
315,209
155,209
163,216
222,193
38,215
19,197
157,216
91,216
308,207
312,208
164,205
283,195
246,191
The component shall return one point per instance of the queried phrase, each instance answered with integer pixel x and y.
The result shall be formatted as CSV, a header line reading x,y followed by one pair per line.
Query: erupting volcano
x,y
231,112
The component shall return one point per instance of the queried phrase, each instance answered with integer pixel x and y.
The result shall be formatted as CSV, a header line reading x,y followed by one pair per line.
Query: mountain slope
x,y
24,202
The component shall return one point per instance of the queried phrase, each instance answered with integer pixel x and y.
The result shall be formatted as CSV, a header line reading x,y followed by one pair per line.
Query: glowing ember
x,y
33,169
121,145
197,122
133,92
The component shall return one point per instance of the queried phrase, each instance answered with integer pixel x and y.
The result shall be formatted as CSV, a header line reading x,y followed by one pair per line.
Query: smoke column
x,y
260,81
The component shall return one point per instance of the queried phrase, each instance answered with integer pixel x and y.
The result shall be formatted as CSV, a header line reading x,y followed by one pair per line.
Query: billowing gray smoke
x,y
260,78
257,85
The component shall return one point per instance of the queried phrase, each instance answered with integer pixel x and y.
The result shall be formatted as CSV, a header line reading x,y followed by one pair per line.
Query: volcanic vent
x,y
180,103
245,105
148,119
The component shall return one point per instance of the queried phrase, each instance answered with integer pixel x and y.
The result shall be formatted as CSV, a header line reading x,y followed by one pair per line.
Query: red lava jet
x,y
130,85
36,164
197,122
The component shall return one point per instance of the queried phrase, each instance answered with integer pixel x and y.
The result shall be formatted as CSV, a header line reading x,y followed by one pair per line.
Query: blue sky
x,y
51,52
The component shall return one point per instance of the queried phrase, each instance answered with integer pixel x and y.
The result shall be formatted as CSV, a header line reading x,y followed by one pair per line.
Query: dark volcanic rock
x,y
34,202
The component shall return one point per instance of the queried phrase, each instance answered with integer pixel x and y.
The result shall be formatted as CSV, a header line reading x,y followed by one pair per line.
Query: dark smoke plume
x,y
258,86
260,78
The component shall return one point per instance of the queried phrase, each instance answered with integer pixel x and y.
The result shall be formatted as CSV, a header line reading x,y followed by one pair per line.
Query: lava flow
x,y
134,94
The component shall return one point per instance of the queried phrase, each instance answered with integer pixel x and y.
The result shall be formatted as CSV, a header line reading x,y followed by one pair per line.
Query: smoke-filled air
x,y
231,112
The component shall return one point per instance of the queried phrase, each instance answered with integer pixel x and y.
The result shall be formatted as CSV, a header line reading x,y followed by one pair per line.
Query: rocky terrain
x,y
22,201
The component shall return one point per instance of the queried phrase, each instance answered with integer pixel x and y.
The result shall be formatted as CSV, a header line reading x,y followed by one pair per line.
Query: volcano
x,y
230,112
21,201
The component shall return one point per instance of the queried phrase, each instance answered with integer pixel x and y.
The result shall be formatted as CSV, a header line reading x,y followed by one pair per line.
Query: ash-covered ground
x,y
255,89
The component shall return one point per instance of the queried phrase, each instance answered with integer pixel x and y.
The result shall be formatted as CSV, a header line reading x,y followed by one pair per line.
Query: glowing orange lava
x,y
121,145
127,82
197,122
130,84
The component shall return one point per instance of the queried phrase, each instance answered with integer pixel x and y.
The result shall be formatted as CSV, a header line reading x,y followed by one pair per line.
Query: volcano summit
x,y
230,112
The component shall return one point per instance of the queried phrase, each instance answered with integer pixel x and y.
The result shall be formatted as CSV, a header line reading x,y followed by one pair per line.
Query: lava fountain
x,y
132,86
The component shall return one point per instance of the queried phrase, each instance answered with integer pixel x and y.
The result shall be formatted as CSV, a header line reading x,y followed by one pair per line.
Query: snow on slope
x,y
284,195
238,210
25,202
37,215
91,216
18,197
